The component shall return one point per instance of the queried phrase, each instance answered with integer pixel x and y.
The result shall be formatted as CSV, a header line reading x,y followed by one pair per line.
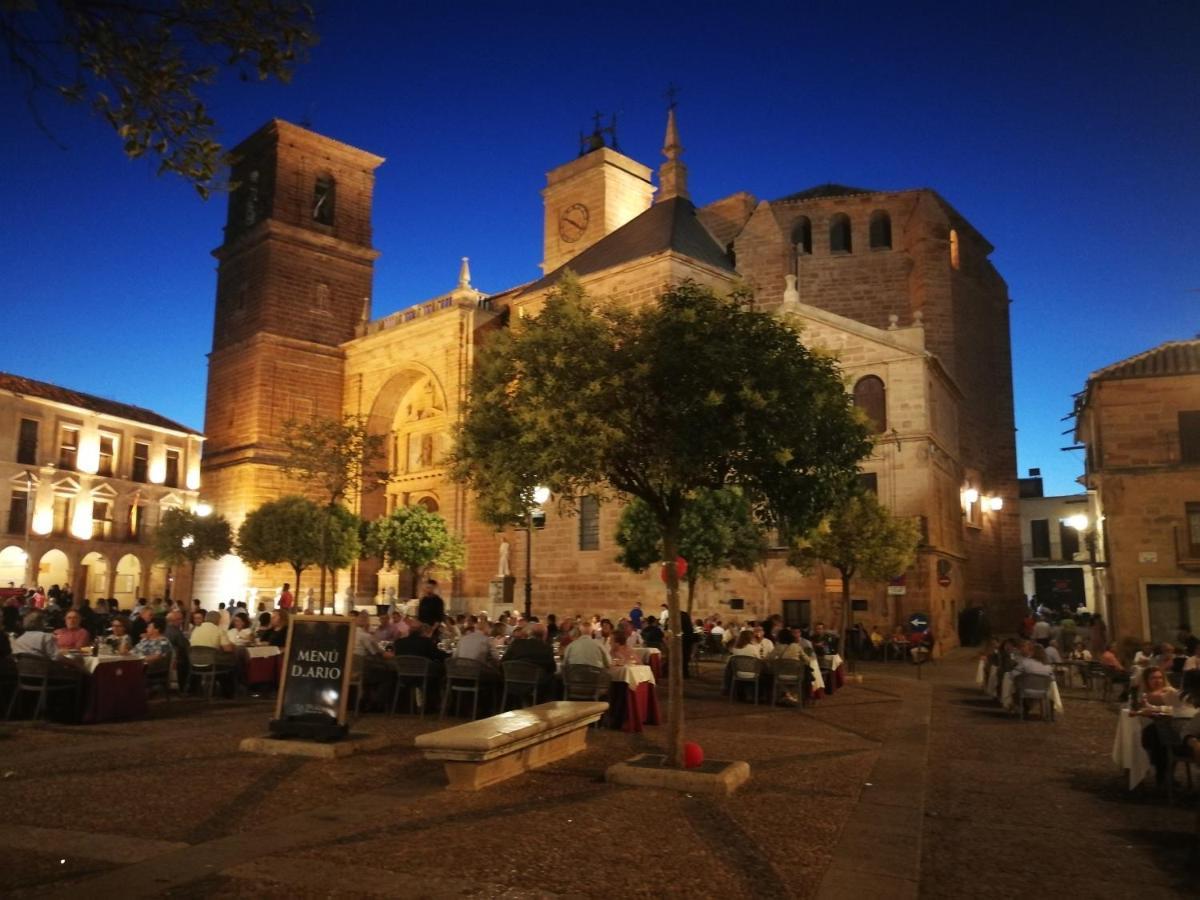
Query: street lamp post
x,y
540,496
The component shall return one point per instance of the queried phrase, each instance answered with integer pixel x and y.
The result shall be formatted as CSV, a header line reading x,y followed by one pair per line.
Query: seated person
x,y
1033,660
119,639
419,642
1053,656
36,642
652,633
154,645
1144,655
622,654
210,634
1081,652
72,637
240,633
275,634
744,645
1112,665
476,645
586,650
789,648
1179,729
532,647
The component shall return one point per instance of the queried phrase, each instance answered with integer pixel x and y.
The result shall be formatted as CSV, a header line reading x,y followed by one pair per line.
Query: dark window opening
x,y
1039,535
1069,537
868,482
27,442
1193,530
101,520
840,240
881,231
18,512
107,450
870,396
141,462
68,449
1189,435
172,478
324,197
589,523
802,236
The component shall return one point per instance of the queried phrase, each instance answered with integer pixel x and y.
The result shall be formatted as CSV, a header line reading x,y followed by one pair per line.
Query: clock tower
x,y
590,197
294,280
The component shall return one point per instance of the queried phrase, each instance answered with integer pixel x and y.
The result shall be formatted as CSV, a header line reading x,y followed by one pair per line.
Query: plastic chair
x,y
409,671
35,676
522,680
789,673
744,670
463,676
1034,687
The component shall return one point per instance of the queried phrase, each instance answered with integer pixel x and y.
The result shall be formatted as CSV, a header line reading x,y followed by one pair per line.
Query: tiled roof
x,y
828,190
1171,358
18,384
669,225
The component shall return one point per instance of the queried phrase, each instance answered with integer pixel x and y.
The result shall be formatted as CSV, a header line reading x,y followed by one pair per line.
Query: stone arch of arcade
x,y
410,412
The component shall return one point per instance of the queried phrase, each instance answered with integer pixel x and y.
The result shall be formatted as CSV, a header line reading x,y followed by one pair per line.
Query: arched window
x,y
324,199
839,234
802,236
881,230
953,249
430,504
871,397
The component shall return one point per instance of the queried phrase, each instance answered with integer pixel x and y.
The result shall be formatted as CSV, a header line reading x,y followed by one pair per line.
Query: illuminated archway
x,y
12,566
53,568
127,584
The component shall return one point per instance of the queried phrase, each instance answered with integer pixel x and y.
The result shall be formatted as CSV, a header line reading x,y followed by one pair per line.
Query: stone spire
x,y
464,275
672,174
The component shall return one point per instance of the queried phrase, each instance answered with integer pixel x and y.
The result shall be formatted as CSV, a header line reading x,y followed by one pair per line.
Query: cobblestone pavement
x,y
169,807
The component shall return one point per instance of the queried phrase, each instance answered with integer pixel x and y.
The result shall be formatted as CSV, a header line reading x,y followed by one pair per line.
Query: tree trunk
x,y
691,585
296,603
846,616
675,661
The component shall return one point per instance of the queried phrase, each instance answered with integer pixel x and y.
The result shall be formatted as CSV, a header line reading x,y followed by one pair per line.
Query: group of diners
x,y
1173,729
550,647
160,634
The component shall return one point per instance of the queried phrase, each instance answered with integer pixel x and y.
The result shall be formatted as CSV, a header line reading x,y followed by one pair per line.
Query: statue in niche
x,y
426,451
503,570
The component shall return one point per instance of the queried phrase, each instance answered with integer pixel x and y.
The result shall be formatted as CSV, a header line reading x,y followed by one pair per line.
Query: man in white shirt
x,y
1052,655
474,644
1027,665
587,651
364,642
1041,632
210,634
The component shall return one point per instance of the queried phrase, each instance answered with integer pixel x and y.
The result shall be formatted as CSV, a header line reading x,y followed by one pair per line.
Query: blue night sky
x,y
1068,134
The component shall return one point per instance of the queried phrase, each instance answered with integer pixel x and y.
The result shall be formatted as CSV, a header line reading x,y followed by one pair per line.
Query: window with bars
x,y
589,523
108,449
68,448
172,477
18,512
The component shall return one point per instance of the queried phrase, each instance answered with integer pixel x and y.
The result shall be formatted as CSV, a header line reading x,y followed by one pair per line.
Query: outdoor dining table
x,y
114,687
1128,752
1008,698
632,697
837,671
652,657
260,665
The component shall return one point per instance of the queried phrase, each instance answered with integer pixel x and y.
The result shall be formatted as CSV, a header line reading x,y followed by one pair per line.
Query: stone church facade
x,y
897,284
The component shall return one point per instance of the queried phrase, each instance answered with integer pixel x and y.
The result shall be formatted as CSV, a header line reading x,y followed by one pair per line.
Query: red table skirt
x,y
115,691
839,680
654,661
262,669
630,710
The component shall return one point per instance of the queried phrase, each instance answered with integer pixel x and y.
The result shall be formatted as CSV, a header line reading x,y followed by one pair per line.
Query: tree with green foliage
x,y
691,391
339,459
860,539
144,67
416,540
717,532
184,536
283,531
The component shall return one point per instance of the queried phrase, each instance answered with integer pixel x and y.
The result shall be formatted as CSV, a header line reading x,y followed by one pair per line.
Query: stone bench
x,y
478,754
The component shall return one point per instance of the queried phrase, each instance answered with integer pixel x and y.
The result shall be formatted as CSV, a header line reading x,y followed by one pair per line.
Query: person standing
x,y
635,616
286,600
431,608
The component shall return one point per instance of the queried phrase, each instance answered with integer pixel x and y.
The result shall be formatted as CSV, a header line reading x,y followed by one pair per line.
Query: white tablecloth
x,y
632,675
1006,693
255,652
818,682
1128,752
644,653
981,672
91,662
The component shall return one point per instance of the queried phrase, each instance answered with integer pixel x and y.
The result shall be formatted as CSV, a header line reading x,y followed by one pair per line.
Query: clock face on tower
x,y
573,222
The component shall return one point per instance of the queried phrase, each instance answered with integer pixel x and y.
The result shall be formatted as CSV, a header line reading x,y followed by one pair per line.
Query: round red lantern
x,y
693,755
681,568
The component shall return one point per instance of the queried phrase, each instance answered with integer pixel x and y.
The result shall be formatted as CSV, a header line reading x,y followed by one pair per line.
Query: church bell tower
x,y
294,280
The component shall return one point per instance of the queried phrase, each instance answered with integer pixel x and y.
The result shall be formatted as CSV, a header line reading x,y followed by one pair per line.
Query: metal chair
x,y
522,680
35,676
582,682
463,676
412,672
789,673
1034,687
744,670
203,669
158,676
